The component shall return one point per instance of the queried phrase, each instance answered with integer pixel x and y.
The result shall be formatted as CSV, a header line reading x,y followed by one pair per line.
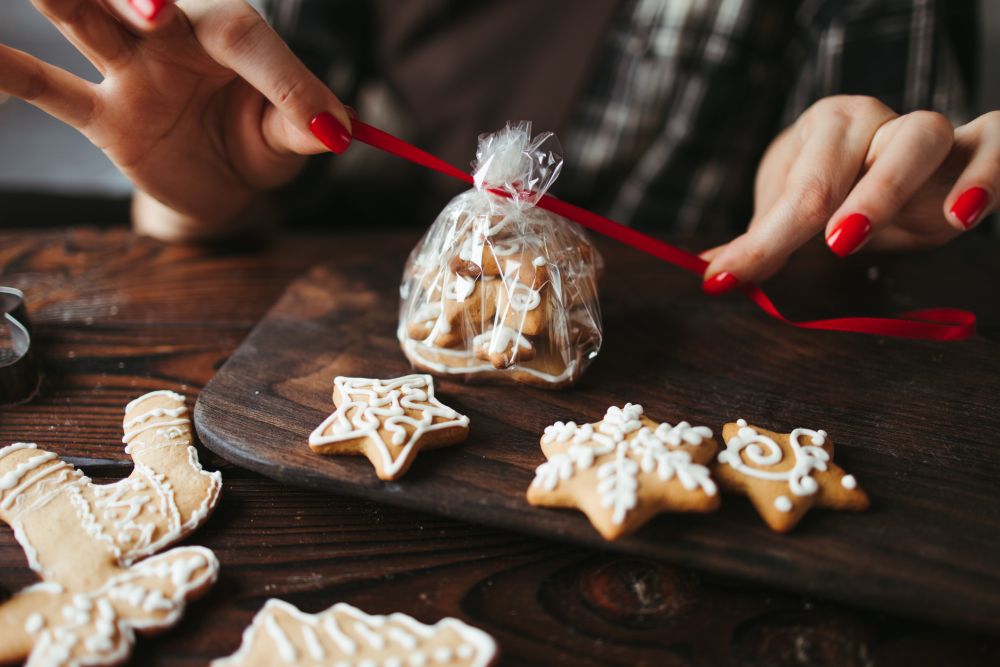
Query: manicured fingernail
x,y
329,130
147,9
720,283
969,206
849,234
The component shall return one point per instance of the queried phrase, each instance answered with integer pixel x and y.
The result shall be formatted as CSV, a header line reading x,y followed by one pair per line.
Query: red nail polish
x,y
329,130
720,283
970,205
147,9
849,234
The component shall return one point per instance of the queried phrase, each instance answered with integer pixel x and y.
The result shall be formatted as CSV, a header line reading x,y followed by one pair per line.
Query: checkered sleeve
x,y
688,94
685,95
328,36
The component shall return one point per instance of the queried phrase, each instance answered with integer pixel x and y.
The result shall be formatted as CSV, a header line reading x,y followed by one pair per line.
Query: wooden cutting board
x,y
917,423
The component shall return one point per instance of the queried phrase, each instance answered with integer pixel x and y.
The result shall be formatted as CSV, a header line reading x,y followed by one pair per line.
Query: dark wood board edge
x,y
827,583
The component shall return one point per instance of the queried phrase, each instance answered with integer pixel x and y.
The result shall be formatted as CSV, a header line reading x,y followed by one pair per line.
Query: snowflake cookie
x,y
784,474
344,636
624,469
93,544
388,421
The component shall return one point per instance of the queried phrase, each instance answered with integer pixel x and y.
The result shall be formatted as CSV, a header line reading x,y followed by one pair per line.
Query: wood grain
x,y
918,442
117,315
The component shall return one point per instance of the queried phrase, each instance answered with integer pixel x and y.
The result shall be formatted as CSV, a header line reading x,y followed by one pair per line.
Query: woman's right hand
x,y
201,106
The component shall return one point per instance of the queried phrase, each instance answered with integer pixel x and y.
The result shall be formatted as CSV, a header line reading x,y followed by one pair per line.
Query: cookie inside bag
x,y
499,289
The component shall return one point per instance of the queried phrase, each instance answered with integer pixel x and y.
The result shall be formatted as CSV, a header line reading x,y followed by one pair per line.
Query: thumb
x,y
303,116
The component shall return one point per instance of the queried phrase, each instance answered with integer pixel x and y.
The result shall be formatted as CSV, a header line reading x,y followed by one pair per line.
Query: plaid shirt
x,y
686,94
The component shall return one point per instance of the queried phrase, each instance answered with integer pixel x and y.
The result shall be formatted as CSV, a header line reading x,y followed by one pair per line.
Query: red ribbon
x,y
926,324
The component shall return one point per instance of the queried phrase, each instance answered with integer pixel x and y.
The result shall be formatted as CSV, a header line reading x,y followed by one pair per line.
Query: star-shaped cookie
x,y
784,474
624,469
388,421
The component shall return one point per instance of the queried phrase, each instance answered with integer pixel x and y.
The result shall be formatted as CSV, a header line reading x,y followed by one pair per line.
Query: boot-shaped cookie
x,y
83,540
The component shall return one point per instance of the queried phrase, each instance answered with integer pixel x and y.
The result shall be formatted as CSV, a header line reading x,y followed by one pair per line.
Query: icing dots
x,y
785,474
762,452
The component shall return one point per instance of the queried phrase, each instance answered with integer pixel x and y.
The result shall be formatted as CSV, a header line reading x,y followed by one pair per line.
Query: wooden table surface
x,y
117,315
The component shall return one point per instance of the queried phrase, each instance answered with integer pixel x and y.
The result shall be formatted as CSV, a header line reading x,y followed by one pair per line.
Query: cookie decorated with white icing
x,y
430,324
389,421
467,303
523,294
625,469
517,297
480,274
502,346
93,545
785,474
345,636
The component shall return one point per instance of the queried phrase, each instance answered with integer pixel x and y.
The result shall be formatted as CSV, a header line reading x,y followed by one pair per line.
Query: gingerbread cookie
x,y
388,421
429,324
84,541
344,636
502,346
488,240
624,469
507,320
523,294
785,474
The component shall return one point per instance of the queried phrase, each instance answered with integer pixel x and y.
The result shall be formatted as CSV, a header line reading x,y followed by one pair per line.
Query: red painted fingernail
x,y
330,131
148,9
720,283
970,205
849,234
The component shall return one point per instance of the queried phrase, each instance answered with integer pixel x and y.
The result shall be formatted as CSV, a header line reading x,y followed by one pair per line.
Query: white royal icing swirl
x,y
522,298
764,452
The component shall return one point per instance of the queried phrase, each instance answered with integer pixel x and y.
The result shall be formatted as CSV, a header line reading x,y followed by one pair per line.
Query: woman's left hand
x,y
865,176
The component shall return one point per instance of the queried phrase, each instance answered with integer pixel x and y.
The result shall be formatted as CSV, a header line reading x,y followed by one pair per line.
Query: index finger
x,y
820,178
312,119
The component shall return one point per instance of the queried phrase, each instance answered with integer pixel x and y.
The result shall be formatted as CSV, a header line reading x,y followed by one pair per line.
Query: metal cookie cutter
x,y
19,377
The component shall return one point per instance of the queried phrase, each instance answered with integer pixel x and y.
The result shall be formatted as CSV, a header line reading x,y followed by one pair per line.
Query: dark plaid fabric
x,y
685,95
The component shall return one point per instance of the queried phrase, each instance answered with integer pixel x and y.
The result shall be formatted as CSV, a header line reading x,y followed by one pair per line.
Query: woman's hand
x,y
201,105
863,175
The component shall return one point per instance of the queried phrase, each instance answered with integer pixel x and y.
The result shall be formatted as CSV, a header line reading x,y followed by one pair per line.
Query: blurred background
x,y
42,160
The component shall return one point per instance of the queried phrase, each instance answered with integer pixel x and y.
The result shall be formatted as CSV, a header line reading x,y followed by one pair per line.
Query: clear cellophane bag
x,y
499,289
